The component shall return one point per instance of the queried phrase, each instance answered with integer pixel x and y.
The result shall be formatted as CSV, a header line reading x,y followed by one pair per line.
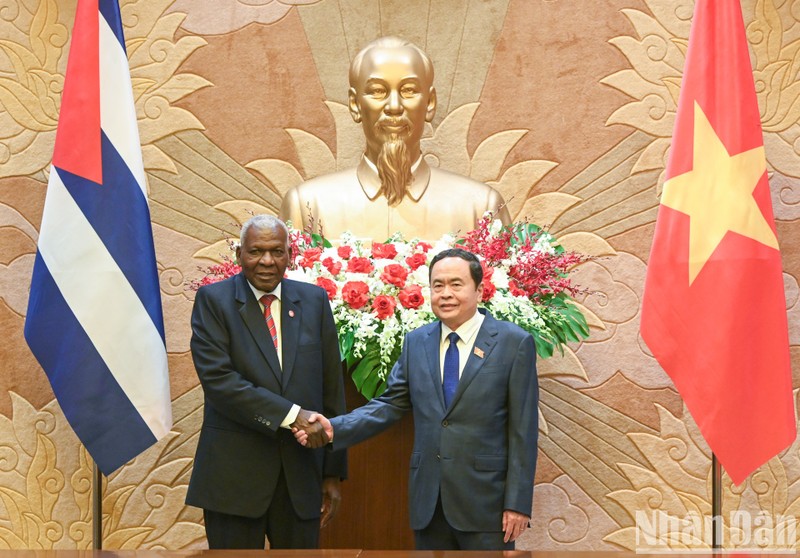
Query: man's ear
x,y
431,105
355,110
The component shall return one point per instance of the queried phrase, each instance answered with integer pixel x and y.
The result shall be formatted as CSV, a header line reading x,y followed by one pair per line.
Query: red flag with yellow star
x,y
714,311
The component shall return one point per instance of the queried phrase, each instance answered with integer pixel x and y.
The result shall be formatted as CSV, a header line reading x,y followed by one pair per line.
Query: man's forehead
x,y
380,61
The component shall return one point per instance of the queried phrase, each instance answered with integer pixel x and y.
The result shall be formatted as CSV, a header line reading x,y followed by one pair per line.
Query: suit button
x,y
445,423
439,457
269,423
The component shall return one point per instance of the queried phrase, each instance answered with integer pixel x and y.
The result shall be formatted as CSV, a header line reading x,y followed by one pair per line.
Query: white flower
x,y
496,227
500,278
299,274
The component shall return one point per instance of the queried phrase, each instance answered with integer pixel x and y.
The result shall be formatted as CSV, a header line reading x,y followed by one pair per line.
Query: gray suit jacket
x,y
242,449
480,453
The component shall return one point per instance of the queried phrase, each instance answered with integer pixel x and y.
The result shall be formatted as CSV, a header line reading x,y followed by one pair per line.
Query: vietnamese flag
x,y
714,311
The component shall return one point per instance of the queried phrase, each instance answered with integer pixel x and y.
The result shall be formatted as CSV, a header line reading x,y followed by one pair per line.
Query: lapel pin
x,y
478,352
291,313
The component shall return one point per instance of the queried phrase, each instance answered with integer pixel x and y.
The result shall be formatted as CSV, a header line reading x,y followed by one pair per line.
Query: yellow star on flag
x,y
717,195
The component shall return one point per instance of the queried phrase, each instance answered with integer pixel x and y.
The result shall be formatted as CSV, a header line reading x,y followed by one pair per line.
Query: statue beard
x,y
394,167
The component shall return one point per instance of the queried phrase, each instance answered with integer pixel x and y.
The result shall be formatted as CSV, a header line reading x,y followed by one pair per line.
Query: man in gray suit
x,y
471,383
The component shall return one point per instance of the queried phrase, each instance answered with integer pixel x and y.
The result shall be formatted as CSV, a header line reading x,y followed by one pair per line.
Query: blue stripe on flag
x,y
109,9
119,213
92,401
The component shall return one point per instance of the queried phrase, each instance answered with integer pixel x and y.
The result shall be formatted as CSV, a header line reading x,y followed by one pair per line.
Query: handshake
x,y
312,430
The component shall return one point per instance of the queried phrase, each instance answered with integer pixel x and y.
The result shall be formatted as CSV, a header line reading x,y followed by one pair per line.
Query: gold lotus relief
x,y
46,486
31,81
657,54
679,487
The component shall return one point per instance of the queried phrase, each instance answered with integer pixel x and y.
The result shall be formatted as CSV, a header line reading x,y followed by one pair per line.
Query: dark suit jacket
x,y
242,449
480,453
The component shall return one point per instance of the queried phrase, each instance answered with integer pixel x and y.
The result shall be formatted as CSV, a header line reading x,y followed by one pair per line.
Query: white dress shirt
x,y
275,309
467,333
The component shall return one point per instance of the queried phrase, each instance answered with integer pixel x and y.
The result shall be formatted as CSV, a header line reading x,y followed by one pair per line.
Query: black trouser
x,y
279,524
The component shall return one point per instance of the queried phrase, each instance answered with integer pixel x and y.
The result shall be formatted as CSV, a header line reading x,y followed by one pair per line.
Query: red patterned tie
x,y
266,300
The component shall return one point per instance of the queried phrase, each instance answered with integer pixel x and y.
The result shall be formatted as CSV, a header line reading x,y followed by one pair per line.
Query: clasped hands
x,y
312,430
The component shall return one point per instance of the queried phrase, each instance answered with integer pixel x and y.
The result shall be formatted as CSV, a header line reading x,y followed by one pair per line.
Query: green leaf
x,y
365,374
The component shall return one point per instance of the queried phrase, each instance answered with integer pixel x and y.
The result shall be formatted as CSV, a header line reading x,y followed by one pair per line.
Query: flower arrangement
x,y
379,291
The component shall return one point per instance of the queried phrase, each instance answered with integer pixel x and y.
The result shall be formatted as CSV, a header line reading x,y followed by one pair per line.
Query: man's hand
x,y
308,438
331,497
514,524
313,430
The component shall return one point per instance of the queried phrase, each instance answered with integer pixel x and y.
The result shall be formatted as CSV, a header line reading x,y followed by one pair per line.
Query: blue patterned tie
x,y
450,372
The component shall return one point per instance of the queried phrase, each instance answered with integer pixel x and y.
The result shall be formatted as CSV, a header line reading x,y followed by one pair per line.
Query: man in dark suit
x,y
471,383
266,352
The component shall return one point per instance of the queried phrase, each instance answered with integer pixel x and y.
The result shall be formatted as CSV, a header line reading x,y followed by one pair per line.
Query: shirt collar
x,y
259,293
367,174
466,331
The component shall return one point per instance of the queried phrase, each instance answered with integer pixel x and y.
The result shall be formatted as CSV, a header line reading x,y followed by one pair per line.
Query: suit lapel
x,y
485,342
254,321
290,329
431,343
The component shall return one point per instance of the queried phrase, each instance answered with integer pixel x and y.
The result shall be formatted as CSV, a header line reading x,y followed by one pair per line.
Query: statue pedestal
x,y
374,510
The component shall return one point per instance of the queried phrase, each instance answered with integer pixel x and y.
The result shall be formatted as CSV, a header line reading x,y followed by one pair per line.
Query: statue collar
x,y
367,175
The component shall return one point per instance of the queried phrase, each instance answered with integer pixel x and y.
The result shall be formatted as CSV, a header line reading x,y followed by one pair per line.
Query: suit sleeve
x,y
380,413
230,393
523,428
335,464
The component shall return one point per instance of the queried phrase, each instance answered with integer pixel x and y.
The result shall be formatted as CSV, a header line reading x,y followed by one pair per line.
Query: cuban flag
x,y
94,318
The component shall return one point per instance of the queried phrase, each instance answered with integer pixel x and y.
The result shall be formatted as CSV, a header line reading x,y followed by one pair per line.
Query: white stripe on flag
x,y
88,278
117,108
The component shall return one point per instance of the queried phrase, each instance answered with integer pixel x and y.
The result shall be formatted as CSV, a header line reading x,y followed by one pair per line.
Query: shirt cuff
x,y
291,417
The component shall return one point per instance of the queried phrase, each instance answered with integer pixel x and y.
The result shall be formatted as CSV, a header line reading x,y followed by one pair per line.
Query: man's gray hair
x,y
262,222
387,42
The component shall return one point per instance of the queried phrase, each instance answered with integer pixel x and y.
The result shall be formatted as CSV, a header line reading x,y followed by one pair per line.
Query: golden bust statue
x,y
392,189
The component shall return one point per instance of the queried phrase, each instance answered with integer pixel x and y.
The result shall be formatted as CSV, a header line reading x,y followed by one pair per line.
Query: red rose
x,y
488,290
424,246
328,285
385,251
345,252
332,266
359,265
355,293
411,297
415,260
384,306
394,274
310,256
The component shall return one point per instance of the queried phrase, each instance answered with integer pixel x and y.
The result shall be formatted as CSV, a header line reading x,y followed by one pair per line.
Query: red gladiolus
x,y
384,306
424,246
488,290
411,297
355,294
329,286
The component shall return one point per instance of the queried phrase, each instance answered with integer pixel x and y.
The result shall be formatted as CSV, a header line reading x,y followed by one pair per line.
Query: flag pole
x,y
716,502
97,508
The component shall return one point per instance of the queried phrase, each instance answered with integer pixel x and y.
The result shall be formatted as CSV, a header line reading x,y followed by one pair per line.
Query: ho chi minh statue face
x,y
392,97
